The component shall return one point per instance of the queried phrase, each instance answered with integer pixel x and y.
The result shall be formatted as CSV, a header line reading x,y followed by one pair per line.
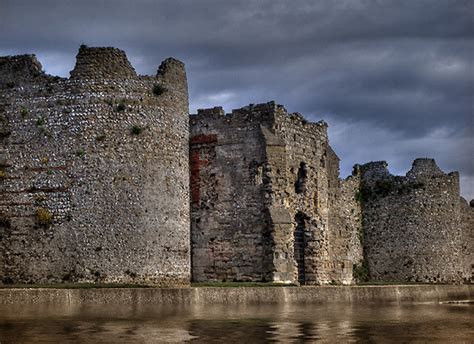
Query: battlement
x,y
262,108
15,70
269,112
424,167
93,64
172,71
269,107
373,169
102,63
82,153
215,111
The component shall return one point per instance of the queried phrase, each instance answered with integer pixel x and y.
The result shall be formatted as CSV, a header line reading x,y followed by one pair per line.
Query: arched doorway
x,y
299,244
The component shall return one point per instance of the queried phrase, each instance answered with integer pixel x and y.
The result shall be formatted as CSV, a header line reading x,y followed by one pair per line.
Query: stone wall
x,y
467,216
65,302
412,224
260,198
268,204
306,192
97,172
351,211
94,172
227,206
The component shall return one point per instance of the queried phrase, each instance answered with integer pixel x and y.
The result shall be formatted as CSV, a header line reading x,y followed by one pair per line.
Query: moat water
x,y
420,323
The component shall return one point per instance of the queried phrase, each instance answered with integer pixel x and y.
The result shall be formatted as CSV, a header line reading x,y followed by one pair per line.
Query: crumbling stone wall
x,y
260,198
304,193
94,177
467,217
412,224
350,210
345,222
97,172
227,206
102,63
268,204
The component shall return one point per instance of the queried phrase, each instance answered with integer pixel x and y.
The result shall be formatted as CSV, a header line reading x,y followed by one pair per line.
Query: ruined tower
x,y
260,196
94,172
412,225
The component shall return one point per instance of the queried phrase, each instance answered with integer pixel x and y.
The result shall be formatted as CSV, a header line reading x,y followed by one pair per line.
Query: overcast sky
x,y
393,79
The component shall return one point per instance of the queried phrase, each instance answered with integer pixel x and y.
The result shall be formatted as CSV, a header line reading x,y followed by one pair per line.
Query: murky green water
x,y
430,323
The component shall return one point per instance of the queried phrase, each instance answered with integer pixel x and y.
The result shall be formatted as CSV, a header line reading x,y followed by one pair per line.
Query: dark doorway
x,y
300,244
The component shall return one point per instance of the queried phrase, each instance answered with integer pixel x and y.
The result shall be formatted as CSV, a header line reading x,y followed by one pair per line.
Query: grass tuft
x,y
120,107
44,217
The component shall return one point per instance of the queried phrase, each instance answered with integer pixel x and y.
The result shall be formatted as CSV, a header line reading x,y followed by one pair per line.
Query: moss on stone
x,y
44,216
24,111
360,271
120,107
40,121
136,130
158,90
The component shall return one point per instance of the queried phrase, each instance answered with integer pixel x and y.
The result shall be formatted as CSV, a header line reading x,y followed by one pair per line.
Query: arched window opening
x,y
300,184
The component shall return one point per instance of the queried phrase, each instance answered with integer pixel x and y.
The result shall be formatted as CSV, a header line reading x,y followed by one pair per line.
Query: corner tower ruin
x,y
94,172
413,226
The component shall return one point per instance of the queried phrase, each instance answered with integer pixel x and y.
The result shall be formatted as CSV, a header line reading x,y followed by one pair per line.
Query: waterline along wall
x,y
132,297
94,172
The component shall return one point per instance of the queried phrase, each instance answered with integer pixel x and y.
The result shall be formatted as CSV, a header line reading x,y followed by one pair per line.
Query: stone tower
x,y
94,172
262,185
413,226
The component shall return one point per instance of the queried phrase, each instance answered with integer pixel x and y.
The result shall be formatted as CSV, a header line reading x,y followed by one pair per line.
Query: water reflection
x,y
239,324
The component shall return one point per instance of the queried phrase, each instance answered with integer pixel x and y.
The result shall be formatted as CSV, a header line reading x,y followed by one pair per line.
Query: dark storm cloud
x,y
393,79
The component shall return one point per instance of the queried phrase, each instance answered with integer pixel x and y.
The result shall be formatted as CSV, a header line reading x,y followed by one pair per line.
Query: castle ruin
x,y
95,179
105,178
261,198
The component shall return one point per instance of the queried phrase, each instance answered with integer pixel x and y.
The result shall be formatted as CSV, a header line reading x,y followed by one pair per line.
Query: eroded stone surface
x,y
268,204
416,227
258,174
107,158
99,174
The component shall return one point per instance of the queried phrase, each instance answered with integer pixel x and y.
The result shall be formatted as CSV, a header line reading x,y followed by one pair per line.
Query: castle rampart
x,y
467,217
412,225
105,178
94,172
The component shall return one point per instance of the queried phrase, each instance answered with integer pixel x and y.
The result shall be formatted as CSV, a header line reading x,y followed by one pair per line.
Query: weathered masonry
x,y
416,228
104,178
267,204
262,185
94,176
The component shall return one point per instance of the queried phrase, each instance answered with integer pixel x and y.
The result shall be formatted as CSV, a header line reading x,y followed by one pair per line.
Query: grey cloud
x,y
388,74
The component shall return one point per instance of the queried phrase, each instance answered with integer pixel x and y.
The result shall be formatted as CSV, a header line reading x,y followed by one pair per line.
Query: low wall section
x,y
246,295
